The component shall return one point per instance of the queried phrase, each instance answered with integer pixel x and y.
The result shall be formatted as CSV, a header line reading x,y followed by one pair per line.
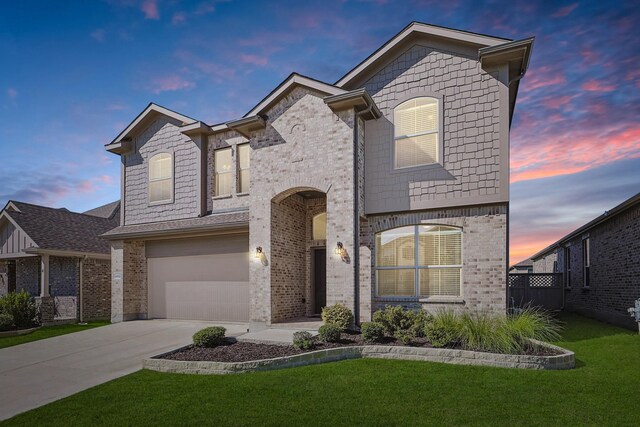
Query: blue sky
x,y
75,73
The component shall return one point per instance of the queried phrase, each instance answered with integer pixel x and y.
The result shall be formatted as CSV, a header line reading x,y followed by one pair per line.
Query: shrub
x,y
303,340
338,315
531,323
372,332
420,321
329,333
443,329
405,336
21,307
486,332
394,318
6,321
209,337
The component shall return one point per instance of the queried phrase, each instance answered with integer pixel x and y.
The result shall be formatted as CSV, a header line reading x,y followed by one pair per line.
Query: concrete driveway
x,y
40,372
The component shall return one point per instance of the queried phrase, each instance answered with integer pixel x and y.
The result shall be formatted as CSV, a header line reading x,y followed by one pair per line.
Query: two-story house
x,y
389,186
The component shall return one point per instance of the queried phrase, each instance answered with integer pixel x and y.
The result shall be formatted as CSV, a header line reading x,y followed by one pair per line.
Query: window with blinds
x,y
161,178
223,171
420,261
319,226
243,168
416,132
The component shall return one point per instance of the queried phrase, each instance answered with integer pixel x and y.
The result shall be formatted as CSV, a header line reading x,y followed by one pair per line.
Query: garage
x,y
203,278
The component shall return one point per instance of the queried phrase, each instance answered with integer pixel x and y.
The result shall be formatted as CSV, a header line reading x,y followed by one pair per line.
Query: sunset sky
x,y
75,73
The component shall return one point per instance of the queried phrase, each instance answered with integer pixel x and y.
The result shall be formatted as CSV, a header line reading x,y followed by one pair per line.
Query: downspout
x,y
356,217
81,264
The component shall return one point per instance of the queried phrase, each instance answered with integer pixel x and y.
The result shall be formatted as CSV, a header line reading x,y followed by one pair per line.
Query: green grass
x,y
603,390
47,332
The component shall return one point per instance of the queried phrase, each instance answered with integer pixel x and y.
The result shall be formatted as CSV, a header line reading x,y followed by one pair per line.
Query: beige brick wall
x,y
305,146
484,251
129,281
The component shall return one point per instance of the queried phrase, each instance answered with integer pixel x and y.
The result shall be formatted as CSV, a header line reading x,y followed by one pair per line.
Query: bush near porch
x,y
18,311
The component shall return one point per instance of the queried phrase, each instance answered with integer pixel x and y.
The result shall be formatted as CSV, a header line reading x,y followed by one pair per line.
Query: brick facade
x,y
64,276
28,275
484,252
129,295
614,282
96,289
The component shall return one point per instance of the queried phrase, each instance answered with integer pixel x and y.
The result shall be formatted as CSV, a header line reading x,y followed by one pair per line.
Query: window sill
x,y
226,196
417,168
161,202
442,300
242,194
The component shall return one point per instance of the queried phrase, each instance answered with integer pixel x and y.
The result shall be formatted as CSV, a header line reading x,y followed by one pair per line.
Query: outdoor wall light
x,y
261,256
344,255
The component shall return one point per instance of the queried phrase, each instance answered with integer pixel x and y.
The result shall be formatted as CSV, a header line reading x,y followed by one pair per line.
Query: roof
x,y
105,211
119,144
219,221
293,80
523,264
60,229
417,28
606,216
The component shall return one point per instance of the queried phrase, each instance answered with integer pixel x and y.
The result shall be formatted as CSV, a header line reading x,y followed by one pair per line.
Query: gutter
x,y
356,215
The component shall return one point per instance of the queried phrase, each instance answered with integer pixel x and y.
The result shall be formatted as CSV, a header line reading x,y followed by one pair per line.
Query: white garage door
x,y
199,278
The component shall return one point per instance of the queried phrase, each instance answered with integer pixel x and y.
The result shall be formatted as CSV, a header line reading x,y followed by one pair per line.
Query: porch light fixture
x,y
259,252
261,256
344,255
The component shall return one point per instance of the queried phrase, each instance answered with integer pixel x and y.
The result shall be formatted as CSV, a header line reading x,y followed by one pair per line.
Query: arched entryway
x,y
298,254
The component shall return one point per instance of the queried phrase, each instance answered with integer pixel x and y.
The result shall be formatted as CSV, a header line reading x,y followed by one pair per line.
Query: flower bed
x,y
236,357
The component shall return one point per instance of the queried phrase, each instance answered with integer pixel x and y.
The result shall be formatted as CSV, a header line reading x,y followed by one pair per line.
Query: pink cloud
x,y
556,102
254,59
12,93
150,9
564,11
542,77
596,86
98,35
573,151
178,18
170,83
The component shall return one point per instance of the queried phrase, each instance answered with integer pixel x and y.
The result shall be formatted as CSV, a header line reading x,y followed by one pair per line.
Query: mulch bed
x,y
238,351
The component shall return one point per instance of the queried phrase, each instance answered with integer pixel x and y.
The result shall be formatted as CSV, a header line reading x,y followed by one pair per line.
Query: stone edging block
x,y
565,360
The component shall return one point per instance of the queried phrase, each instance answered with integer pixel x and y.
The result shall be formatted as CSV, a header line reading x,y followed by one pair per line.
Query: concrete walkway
x,y
40,372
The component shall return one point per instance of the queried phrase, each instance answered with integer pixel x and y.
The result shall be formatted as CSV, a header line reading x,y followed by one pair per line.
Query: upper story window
x,y
161,178
244,173
223,168
416,132
319,226
419,261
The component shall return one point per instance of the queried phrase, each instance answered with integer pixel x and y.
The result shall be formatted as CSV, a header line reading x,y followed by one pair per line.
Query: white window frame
x,y
417,267
567,266
240,169
216,173
439,142
170,178
586,262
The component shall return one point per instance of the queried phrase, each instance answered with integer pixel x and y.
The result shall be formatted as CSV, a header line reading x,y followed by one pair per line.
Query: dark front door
x,y
319,279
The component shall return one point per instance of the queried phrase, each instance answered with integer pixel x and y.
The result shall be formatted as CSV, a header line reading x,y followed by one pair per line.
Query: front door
x,y
319,279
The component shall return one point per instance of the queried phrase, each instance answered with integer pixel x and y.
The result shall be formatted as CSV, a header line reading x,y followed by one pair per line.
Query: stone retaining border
x,y
565,360
18,332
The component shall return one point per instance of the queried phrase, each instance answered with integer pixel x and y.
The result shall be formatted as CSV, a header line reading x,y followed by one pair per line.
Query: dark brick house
x,y
58,257
600,262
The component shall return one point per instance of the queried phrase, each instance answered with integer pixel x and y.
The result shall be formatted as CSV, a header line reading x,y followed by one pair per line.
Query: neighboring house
x,y
524,266
390,186
600,262
51,252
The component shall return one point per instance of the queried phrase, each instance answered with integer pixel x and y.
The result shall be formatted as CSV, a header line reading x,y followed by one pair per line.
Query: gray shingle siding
x,y
473,168
161,136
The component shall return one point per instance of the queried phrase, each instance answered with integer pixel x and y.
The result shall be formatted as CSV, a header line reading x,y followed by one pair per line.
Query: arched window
x,y
161,178
419,261
416,132
319,226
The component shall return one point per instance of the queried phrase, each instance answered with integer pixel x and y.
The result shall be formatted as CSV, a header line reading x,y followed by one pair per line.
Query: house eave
x,y
247,125
240,226
196,128
358,99
68,254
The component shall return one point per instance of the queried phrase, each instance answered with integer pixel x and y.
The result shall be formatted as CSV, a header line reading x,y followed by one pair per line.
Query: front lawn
x,y
47,332
603,390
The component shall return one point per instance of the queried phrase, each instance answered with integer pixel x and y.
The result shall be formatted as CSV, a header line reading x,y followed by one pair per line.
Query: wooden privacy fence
x,y
536,290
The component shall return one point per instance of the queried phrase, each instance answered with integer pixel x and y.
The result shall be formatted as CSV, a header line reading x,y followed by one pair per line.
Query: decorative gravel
x,y
246,351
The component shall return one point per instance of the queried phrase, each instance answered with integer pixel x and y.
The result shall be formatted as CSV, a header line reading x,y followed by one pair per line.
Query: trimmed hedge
x,y
329,333
338,315
209,337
